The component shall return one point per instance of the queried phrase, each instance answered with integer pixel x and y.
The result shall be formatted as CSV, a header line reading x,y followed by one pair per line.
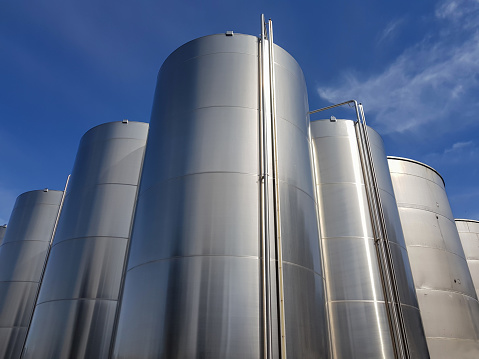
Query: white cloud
x,y
432,81
390,30
458,153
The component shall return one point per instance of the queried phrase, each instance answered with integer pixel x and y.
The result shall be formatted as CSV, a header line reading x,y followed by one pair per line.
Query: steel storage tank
x,y
3,229
469,234
446,295
194,282
22,258
76,306
357,308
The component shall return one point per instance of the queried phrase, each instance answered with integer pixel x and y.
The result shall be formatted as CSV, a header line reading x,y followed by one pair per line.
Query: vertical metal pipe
x,y
277,218
388,275
265,242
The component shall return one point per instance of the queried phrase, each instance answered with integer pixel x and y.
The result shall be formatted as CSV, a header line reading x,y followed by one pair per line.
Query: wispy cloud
x,y
390,30
429,82
459,152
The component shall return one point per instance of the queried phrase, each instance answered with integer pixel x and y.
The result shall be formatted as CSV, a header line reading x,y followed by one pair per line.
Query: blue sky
x,y
66,66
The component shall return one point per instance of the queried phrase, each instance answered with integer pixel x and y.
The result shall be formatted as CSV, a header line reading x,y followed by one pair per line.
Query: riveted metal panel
x,y
22,257
80,290
449,316
446,295
469,236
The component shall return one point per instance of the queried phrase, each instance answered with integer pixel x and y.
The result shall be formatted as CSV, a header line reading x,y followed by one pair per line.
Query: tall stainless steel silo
x,y
75,311
3,229
469,234
360,324
22,258
196,285
446,295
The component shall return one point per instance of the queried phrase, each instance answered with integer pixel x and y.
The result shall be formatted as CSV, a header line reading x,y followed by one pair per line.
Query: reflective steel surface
x,y
358,317
3,229
80,289
193,286
22,257
446,295
469,234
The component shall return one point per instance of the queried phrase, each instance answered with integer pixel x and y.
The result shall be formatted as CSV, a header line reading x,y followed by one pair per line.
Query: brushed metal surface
x,y
31,216
444,287
22,257
359,322
305,313
360,330
96,264
17,300
418,347
191,307
198,212
353,280
193,282
469,236
294,156
220,139
73,329
451,317
3,229
80,289
11,341
299,229
22,260
96,211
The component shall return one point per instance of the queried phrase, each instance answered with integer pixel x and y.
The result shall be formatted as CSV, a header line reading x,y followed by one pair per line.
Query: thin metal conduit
x,y
47,255
265,245
379,239
382,243
277,217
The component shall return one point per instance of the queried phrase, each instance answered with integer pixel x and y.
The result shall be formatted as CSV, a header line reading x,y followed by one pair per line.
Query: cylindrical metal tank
x,y
193,286
75,311
357,308
446,295
469,234
3,229
22,258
